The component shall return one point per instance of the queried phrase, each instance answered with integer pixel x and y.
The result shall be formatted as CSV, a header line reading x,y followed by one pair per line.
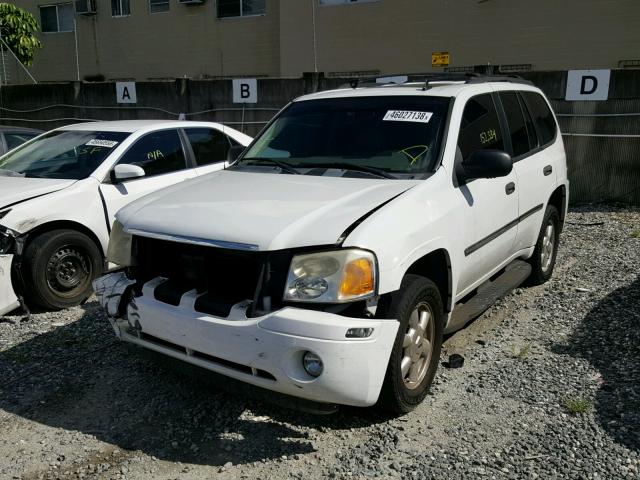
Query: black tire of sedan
x,y
416,351
544,255
58,269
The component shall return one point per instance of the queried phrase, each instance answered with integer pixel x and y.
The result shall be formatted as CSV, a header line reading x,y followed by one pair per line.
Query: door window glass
x,y
157,153
542,116
480,127
15,139
515,123
209,145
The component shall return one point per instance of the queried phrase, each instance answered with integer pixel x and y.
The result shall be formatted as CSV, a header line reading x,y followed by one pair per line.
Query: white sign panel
x,y
126,92
588,85
245,90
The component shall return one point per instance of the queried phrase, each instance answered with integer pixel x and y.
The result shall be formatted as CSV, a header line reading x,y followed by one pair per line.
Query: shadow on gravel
x,y
609,338
78,377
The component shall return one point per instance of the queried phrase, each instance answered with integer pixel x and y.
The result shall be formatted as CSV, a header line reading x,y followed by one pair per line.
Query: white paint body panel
x,y
37,202
8,299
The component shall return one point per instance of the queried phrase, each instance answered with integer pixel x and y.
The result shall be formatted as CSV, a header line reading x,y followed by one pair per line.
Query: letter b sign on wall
x,y
588,85
245,90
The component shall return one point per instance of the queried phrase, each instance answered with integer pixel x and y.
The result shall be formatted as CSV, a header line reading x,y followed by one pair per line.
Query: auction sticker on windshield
x,y
407,116
101,143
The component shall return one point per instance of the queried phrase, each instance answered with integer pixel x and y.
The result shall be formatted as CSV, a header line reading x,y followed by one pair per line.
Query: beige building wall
x,y
186,41
384,35
400,35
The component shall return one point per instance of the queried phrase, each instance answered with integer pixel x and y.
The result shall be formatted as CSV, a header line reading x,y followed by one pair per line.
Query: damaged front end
x,y
9,244
110,290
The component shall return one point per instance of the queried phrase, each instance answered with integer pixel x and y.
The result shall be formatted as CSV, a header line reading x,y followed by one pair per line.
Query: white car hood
x,y
18,189
263,211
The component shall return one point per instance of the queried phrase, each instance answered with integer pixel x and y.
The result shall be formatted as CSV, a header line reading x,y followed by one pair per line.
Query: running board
x,y
513,275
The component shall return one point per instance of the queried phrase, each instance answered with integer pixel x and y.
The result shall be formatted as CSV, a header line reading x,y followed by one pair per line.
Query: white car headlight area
x,y
120,244
334,276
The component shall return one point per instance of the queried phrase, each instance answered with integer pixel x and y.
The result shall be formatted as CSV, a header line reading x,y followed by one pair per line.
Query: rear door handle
x,y
547,170
510,188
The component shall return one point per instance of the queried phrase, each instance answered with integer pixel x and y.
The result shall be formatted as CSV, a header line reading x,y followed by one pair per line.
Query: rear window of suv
x,y
542,117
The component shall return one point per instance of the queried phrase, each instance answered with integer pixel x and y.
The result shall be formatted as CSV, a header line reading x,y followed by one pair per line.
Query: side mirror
x,y
234,152
126,171
487,164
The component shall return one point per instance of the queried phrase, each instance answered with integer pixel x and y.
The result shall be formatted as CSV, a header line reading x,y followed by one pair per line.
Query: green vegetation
x,y
521,352
577,405
18,28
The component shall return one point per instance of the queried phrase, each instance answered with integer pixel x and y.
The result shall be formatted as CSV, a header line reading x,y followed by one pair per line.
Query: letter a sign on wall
x,y
126,92
588,85
245,90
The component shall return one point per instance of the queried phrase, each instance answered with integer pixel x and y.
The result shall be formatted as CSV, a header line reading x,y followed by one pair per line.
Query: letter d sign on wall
x,y
588,85
245,90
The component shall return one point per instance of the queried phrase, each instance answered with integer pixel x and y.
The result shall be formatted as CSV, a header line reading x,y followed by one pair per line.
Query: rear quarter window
x,y
542,116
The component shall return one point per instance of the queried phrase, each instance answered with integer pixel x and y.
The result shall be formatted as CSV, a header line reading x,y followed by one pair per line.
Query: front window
x,y
393,137
65,154
57,18
241,8
120,8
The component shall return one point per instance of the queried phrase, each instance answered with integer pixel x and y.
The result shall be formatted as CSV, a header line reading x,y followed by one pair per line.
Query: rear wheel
x,y
416,351
544,255
59,267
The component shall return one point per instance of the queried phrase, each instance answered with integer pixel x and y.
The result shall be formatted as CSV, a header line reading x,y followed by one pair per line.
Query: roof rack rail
x,y
429,78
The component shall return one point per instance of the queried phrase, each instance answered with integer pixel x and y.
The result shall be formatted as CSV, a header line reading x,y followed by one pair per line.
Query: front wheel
x,y
416,352
59,267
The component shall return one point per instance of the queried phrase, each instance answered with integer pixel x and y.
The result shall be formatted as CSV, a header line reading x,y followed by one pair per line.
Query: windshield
x,y
395,136
68,154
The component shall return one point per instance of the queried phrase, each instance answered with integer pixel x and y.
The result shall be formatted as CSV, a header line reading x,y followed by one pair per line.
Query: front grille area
x,y
224,277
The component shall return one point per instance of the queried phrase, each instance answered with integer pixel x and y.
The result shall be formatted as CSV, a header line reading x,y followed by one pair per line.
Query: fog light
x,y
312,364
359,332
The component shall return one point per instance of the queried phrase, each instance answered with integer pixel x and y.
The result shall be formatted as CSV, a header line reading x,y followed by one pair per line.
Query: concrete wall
x,y
384,35
600,168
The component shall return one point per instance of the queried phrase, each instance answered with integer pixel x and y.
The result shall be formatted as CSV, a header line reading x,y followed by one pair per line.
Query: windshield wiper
x,y
282,165
10,173
350,166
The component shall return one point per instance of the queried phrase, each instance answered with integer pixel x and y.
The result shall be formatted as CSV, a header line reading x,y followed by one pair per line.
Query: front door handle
x,y
510,188
547,170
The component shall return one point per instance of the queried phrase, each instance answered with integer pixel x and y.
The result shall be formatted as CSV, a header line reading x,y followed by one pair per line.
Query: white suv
x,y
359,227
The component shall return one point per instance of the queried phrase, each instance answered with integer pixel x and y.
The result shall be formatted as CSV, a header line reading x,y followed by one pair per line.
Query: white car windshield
x,y
390,136
68,154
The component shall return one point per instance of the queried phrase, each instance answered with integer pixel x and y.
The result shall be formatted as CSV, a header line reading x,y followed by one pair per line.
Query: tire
x,y
401,393
543,260
58,269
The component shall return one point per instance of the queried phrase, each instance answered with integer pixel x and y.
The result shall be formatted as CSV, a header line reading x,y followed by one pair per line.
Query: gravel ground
x,y
550,388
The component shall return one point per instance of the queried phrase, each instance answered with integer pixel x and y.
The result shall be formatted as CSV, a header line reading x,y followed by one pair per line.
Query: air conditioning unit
x,y
191,2
85,7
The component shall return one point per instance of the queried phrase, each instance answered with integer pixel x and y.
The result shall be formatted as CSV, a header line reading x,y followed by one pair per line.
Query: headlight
x,y
335,276
119,251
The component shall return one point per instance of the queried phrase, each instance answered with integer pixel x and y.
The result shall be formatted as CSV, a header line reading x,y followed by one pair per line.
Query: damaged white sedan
x,y
59,194
357,229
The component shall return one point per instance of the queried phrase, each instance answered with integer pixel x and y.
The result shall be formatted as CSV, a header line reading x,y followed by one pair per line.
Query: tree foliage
x,y
18,29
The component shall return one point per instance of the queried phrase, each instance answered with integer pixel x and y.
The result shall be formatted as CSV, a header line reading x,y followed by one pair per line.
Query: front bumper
x,y
265,351
8,298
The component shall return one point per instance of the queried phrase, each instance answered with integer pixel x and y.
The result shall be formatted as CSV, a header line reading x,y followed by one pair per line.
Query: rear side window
x,y
480,127
157,152
209,145
15,139
516,123
542,117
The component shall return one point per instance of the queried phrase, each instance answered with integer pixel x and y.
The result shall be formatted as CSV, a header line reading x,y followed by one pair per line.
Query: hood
x,y
18,189
262,211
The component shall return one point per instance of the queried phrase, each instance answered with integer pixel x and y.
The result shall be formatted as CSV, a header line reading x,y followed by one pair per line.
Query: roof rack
x,y
429,78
